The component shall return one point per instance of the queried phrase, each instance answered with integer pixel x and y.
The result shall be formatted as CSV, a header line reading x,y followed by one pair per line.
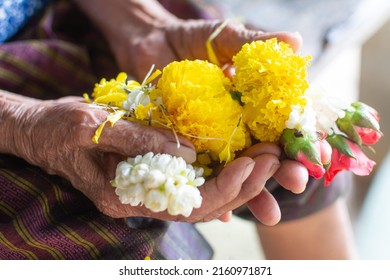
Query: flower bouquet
x,y
267,99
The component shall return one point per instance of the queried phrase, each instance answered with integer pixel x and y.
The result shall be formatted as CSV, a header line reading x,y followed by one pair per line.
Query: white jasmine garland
x,y
156,200
133,195
160,182
182,198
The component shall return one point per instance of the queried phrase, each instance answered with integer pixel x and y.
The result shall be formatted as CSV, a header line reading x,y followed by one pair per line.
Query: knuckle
x,y
228,192
251,189
146,140
83,123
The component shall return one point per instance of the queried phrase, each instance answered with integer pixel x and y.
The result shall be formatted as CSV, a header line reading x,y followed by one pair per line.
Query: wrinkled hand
x,y
56,135
143,33
178,40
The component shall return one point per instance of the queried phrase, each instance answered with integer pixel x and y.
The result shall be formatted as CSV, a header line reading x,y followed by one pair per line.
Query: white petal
x,y
133,196
156,200
184,201
139,172
154,179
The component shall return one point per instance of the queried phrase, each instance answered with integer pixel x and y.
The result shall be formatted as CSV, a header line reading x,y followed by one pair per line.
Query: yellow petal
x,y
142,112
112,118
211,54
225,155
122,77
113,99
153,76
210,51
86,98
131,85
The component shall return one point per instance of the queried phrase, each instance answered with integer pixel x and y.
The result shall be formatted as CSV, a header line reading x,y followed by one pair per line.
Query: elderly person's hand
x,y
56,135
180,40
142,33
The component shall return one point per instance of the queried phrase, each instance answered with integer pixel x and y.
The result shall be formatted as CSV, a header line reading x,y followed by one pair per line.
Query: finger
x,y
259,149
226,48
215,193
226,217
108,163
70,99
262,148
292,175
223,189
265,208
132,139
92,180
237,184
294,39
266,165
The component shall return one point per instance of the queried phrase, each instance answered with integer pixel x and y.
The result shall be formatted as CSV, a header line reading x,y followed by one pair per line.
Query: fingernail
x,y
273,168
172,148
248,170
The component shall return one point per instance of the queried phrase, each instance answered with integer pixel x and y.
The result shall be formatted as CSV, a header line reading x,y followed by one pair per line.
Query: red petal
x,y
316,171
362,165
368,135
336,165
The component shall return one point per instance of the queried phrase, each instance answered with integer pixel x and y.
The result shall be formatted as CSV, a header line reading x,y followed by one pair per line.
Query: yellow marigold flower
x,y
131,97
271,79
112,92
199,106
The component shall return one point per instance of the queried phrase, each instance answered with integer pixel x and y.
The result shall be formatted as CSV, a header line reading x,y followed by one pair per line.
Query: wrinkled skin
x,y
187,41
56,135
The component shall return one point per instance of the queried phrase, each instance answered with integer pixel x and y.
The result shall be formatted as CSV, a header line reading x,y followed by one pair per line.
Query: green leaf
x,y
340,143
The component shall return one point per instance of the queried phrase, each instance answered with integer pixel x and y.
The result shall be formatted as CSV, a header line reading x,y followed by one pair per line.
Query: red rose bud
x,y
312,154
361,124
346,155
368,135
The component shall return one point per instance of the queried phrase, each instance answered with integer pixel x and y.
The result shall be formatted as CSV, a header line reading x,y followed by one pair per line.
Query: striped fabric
x,y
43,216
